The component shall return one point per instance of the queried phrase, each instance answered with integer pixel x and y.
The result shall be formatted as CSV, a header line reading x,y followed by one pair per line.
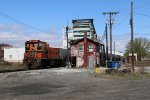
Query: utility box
x,y
114,64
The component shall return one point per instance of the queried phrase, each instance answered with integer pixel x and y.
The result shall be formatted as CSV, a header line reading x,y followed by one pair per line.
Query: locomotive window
x,y
27,46
39,46
34,44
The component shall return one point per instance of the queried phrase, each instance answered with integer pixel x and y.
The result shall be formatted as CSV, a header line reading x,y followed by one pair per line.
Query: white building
x,y
135,54
80,26
14,54
118,53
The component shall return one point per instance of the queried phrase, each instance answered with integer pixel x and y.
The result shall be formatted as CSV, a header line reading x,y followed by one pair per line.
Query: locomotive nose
x,y
31,62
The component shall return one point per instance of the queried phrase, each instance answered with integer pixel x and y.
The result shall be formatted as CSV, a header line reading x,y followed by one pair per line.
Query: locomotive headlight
x,y
34,59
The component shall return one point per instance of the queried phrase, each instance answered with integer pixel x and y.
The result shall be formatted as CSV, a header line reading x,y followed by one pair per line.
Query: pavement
x,y
69,84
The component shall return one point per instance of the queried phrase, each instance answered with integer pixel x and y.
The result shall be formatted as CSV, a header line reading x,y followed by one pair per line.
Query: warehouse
x,y
14,55
2,46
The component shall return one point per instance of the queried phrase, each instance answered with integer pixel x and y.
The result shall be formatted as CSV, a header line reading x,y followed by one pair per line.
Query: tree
x,y
141,47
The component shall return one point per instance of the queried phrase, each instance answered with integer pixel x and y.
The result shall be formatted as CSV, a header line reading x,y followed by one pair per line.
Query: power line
x,y
124,19
142,14
21,23
146,4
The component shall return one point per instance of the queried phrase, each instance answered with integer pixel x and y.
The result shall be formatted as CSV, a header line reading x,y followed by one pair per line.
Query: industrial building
x,y
80,26
14,55
83,43
2,46
85,53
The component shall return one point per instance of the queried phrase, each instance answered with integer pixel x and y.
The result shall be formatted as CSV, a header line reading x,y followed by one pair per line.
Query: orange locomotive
x,y
38,54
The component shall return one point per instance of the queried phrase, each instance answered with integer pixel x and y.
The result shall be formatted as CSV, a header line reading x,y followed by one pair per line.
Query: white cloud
x,y
12,27
15,35
8,35
121,41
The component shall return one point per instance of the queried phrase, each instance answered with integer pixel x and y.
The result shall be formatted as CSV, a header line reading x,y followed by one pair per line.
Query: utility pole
x,y
132,45
67,28
111,22
106,30
114,52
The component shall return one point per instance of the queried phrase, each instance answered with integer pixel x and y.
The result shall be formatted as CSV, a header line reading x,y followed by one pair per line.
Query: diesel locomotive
x,y
38,54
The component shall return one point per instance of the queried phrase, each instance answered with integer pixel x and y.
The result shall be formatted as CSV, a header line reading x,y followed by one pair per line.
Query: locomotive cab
x,y
33,46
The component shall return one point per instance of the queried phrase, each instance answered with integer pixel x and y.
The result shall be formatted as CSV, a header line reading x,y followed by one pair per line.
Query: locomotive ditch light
x,y
34,59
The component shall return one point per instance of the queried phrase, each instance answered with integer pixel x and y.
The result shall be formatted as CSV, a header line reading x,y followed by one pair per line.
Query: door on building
x,y
73,60
91,62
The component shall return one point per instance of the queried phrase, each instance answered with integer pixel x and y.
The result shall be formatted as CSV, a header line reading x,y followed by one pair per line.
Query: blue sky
x,y
52,15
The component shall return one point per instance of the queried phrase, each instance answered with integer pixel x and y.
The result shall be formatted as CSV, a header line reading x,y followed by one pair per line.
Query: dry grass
x,y
142,63
6,66
128,76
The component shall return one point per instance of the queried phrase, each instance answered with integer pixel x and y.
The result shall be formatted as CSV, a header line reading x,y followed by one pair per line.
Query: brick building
x,y
85,53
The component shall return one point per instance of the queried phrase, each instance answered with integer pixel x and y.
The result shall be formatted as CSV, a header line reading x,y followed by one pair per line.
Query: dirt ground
x,y
8,67
69,84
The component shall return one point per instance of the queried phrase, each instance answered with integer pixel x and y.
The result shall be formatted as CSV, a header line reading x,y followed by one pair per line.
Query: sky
x,y
22,20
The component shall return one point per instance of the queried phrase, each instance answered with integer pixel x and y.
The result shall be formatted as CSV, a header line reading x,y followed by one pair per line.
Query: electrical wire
x,y
21,23
125,18
103,37
142,14
146,4
136,7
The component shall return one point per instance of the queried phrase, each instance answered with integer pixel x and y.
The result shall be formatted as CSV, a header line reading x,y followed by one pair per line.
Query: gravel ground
x,y
69,84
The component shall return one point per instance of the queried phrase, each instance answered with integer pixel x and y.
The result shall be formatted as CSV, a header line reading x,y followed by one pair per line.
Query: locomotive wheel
x,y
27,67
43,64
